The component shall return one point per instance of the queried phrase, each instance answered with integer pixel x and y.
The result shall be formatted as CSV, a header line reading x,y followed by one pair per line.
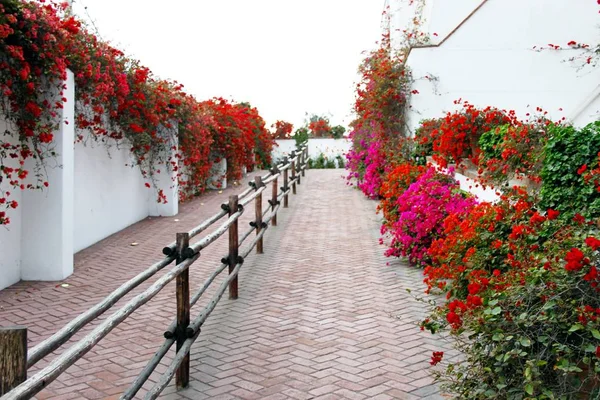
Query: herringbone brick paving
x,y
320,314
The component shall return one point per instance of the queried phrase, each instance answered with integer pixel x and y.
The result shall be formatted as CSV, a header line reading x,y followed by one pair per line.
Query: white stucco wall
x,y
10,236
490,61
329,147
109,195
93,193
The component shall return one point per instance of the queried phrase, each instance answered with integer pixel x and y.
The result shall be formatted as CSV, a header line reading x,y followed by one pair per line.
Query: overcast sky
x,y
284,57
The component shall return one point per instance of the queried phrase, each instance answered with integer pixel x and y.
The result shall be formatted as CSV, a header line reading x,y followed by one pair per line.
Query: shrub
x,y
512,150
458,134
282,130
395,183
522,301
568,185
422,209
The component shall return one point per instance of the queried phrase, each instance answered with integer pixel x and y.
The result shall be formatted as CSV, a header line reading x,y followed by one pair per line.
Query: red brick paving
x,y
320,315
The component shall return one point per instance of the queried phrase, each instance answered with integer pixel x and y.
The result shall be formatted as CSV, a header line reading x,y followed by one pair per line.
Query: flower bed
x,y
520,275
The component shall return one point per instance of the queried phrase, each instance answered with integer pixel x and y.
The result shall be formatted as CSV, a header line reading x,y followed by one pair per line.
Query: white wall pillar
x,y
47,227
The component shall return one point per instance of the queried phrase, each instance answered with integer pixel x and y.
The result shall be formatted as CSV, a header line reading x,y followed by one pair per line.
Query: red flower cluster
x,y
319,128
458,134
116,99
436,357
282,130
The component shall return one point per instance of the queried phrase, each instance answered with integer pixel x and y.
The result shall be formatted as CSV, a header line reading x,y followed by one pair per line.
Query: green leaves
x,y
564,187
576,328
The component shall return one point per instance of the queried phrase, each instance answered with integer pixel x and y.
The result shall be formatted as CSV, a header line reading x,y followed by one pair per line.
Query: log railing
x,y
15,358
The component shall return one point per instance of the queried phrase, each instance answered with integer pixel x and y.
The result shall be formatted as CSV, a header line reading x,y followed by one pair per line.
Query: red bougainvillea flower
x,y
592,242
438,355
552,214
575,260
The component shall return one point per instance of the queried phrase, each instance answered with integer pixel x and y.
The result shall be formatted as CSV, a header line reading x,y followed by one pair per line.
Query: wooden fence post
x,y
233,246
299,164
293,174
305,151
285,187
274,201
182,377
13,357
258,211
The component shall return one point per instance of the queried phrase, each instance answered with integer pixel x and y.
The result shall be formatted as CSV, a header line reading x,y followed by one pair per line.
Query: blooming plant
x,y
528,298
512,150
117,100
395,183
282,130
319,127
378,133
458,134
422,209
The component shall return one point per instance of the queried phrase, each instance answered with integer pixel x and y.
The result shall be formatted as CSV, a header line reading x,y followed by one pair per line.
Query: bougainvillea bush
x,y
378,133
520,276
522,301
456,135
282,130
117,100
394,184
512,150
421,210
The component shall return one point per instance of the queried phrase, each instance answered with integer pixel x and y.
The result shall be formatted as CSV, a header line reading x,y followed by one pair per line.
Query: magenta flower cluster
x,y
422,209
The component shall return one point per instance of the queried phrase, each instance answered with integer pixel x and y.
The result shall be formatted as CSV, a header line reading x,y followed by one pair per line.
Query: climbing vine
x,y
118,100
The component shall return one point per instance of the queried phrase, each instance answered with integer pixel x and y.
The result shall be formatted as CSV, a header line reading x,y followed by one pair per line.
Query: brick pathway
x,y
320,314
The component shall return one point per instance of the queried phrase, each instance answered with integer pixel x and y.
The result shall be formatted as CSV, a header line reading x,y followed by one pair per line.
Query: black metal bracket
x,y
188,253
167,251
240,208
169,334
264,224
285,188
253,185
225,207
239,260
191,332
253,224
274,170
274,203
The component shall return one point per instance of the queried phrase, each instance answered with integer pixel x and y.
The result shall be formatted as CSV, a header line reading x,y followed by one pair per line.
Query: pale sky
x,y
284,57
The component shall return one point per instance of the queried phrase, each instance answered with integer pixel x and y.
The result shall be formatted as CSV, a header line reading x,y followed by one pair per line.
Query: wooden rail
x,y
183,331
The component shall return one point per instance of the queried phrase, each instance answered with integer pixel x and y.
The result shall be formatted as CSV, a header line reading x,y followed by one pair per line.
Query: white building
x,y
486,52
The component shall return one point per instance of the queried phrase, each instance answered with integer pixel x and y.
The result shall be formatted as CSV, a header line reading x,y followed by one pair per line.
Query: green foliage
x,y
323,162
489,142
569,156
337,132
319,162
300,136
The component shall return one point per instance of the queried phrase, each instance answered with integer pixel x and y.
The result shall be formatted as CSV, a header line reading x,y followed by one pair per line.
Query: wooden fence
x,y
15,358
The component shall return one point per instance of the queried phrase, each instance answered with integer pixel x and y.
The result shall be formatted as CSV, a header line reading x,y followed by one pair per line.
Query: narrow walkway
x,y
320,314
